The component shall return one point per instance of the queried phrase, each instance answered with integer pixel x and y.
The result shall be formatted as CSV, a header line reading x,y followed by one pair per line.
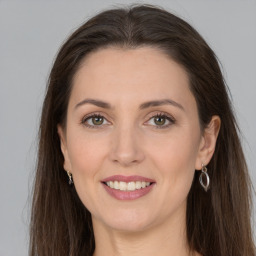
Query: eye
x,y
161,120
94,121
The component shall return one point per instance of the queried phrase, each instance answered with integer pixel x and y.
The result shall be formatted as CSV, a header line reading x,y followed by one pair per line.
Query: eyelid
x,y
154,114
91,115
168,116
160,113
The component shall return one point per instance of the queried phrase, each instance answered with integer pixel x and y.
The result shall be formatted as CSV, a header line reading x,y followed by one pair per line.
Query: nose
x,y
126,147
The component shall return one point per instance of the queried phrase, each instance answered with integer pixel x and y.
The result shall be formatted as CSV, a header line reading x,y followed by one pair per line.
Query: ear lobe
x,y
208,142
63,147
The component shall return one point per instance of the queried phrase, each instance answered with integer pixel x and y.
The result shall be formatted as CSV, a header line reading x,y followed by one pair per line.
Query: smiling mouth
x,y
127,186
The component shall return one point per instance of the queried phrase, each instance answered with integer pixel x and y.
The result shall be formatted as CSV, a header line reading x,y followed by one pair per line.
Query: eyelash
x,y
95,115
167,117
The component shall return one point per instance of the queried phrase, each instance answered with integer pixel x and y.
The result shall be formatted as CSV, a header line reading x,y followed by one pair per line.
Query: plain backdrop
x,y
31,33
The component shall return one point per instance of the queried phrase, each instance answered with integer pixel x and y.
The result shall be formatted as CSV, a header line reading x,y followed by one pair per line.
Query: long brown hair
x,y
218,222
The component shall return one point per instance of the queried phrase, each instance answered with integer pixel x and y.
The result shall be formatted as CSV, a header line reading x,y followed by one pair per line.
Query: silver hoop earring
x,y
70,182
204,178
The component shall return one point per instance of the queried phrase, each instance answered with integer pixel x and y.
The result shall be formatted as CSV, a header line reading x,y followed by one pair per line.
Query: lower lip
x,y
128,195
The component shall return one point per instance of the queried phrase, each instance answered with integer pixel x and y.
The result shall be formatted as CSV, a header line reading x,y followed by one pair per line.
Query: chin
x,y
127,221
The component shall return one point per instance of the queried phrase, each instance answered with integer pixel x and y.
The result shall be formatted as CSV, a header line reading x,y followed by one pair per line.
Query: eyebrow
x,y
98,103
154,103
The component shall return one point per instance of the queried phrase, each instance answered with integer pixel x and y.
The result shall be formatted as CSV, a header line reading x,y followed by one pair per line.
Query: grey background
x,y
31,33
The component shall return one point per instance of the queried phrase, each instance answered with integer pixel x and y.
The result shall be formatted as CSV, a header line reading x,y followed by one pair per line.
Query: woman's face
x,y
132,139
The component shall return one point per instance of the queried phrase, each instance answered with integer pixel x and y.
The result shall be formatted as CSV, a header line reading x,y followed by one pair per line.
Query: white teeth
x,y
122,186
116,185
131,186
138,185
127,186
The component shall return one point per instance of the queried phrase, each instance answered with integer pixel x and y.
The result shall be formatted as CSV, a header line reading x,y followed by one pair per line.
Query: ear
x,y
63,146
208,142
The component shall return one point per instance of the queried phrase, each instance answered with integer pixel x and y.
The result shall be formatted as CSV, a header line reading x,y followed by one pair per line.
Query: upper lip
x,y
127,178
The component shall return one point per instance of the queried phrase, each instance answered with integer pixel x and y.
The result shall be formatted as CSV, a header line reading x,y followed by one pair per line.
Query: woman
x,y
139,152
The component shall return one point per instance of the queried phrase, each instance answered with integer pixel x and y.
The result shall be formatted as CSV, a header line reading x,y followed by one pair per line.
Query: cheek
x,y
85,152
175,163
177,149
175,159
87,155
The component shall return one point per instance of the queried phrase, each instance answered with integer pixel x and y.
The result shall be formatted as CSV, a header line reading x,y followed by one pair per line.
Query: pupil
x,y
159,120
97,120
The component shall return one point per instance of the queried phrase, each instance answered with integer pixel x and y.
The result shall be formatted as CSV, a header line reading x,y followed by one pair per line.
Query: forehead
x,y
118,74
112,59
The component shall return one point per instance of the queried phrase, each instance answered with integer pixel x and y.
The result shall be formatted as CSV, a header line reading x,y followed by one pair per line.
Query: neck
x,y
162,239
